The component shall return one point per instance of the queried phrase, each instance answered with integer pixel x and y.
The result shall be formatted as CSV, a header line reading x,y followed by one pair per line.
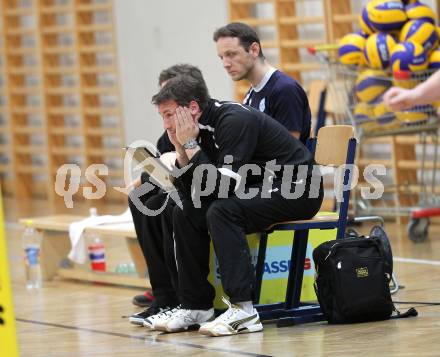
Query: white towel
x,y
78,253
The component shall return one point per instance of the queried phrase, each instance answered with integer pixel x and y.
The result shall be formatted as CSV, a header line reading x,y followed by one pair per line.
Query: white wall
x,y
153,35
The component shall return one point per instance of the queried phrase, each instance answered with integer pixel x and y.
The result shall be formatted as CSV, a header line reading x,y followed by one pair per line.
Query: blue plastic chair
x,y
334,146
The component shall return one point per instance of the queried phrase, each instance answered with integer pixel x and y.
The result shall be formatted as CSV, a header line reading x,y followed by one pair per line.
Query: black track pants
x,y
227,221
155,236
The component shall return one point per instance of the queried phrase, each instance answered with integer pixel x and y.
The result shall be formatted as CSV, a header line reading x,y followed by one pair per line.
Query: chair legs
x,y
291,311
259,269
296,269
341,230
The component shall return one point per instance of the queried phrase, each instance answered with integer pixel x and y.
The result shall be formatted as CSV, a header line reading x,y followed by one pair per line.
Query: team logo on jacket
x,y
262,105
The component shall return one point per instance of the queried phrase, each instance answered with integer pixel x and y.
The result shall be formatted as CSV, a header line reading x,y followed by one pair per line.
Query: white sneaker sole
x,y
136,321
165,328
151,327
248,329
161,327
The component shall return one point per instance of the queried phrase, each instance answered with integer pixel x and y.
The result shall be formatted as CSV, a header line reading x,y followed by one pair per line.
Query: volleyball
x,y
375,117
382,114
364,116
371,84
363,34
363,112
365,22
434,59
377,50
413,115
422,32
386,15
351,49
408,56
419,11
408,81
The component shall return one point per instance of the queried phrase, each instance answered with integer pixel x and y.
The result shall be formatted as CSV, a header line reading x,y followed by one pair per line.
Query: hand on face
x,y
173,139
186,126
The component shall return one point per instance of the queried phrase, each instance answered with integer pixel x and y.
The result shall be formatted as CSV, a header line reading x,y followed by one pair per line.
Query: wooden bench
x,y
56,245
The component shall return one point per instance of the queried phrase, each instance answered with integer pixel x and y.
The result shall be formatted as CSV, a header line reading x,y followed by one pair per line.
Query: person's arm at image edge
x,y
425,93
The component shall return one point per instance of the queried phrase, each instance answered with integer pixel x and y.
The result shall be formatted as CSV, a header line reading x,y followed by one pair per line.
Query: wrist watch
x,y
190,144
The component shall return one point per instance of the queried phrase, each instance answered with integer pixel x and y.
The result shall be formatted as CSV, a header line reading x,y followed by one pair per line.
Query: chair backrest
x,y
314,94
332,145
337,99
335,146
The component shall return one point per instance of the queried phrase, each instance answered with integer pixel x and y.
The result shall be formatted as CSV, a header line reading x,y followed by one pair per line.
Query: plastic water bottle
x,y
31,246
96,248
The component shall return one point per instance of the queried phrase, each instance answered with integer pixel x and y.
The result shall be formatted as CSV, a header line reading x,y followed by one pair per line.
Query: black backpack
x,y
352,279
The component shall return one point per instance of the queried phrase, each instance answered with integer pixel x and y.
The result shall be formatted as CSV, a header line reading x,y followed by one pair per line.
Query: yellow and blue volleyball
x,y
363,112
405,79
413,115
408,56
382,113
364,116
371,84
434,59
420,31
377,50
419,11
386,15
382,119
365,22
351,49
362,33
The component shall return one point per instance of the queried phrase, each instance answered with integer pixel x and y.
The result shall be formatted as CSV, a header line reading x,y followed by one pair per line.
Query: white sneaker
x,y
139,317
151,321
183,319
232,322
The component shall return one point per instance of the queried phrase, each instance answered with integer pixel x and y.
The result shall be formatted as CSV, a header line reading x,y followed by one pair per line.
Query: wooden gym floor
x,y
67,318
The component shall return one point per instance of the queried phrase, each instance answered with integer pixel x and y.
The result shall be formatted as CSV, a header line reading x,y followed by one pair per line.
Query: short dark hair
x,y
243,32
183,89
178,69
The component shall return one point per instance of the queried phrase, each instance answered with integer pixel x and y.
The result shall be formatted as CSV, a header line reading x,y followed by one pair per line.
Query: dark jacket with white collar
x,y
249,136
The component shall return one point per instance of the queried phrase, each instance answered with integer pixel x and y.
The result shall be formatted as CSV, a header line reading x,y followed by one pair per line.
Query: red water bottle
x,y
97,254
96,248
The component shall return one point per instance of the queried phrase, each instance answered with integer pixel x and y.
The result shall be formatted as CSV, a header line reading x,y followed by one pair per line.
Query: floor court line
x,y
416,261
144,338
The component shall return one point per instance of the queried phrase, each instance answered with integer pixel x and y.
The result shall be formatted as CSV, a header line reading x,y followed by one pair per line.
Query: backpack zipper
x,y
330,250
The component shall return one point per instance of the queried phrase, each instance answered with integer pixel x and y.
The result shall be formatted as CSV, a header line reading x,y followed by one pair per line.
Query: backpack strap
x,y
411,312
